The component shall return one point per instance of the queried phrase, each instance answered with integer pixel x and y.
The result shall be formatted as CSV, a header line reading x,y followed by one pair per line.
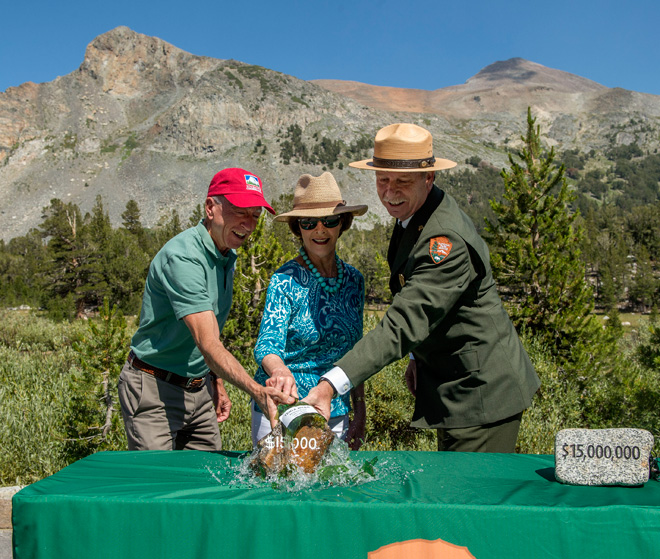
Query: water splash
x,y
337,469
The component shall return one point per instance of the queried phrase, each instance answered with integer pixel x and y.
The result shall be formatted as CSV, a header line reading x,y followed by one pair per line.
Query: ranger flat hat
x,y
404,148
318,197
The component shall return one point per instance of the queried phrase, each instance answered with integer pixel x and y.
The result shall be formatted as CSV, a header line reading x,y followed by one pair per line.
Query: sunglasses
x,y
309,223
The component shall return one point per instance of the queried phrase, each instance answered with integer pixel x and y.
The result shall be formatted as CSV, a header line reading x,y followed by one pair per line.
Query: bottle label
x,y
292,413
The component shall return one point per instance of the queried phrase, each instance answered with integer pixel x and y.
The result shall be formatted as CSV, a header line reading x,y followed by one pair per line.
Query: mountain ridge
x,y
142,119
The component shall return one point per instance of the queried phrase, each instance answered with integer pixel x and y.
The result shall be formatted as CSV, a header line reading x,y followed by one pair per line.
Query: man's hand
x,y
320,397
221,400
411,377
268,398
204,329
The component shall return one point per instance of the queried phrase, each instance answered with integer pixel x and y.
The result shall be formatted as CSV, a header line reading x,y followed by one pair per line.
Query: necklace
x,y
329,289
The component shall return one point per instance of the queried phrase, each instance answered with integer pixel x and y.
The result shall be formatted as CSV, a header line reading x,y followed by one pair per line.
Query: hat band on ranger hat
x,y
319,205
403,163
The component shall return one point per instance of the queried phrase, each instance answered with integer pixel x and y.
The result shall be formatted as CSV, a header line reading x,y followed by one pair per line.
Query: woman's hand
x,y
268,398
283,380
281,377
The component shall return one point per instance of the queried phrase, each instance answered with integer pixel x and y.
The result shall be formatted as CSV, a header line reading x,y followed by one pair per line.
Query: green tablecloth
x,y
187,504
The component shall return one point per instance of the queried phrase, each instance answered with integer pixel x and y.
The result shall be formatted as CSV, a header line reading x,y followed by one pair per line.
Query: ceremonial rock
x,y
603,456
269,455
309,445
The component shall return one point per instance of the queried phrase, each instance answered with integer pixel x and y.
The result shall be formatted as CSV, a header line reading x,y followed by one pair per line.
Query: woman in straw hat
x,y
314,306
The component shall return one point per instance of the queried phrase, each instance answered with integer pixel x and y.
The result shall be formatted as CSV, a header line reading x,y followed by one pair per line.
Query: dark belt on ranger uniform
x,y
167,376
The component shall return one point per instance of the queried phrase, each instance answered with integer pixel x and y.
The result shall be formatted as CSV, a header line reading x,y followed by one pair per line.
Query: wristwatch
x,y
334,390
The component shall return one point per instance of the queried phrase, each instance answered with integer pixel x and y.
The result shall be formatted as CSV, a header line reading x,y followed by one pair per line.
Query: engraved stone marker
x,y
603,456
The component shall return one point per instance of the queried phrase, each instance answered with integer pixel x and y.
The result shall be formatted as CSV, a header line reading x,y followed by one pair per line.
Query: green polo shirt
x,y
188,275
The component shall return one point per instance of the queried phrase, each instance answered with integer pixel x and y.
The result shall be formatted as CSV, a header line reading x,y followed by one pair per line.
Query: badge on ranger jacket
x,y
439,248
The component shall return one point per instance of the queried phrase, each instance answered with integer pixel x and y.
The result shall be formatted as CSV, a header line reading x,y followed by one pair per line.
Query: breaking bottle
x,y
300,439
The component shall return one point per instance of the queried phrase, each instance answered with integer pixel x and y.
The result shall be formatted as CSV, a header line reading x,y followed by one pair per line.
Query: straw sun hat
x,y
403,148
318,197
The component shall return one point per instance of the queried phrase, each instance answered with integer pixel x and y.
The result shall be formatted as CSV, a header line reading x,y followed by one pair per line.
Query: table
x,y
184,504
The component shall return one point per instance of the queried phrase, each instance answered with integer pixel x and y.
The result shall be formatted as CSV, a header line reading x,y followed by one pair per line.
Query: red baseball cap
x,y
241,188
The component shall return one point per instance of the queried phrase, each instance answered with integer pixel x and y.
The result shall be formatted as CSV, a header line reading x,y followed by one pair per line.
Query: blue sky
x,y
423,44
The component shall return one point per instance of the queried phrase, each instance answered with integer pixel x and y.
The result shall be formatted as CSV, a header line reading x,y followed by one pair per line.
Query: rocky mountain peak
x,y
127,63
515,68
523,72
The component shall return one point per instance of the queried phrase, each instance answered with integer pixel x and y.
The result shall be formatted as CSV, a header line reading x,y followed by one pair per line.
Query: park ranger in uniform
x,y
468,370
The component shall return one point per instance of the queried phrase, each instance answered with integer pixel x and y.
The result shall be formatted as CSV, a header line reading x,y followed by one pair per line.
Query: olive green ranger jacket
x,y
471,366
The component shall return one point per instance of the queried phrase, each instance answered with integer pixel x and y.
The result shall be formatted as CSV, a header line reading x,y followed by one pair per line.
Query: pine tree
x,y
169,225
99,233
536,261
606,248
196,216
69,251
257,260
131,218
645,288
126,267
21,270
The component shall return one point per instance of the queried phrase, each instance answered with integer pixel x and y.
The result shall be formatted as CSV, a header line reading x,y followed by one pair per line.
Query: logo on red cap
x,y
252,183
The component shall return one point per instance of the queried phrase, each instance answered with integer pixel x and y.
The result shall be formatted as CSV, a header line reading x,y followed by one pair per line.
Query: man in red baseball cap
x,y
171,387
243,197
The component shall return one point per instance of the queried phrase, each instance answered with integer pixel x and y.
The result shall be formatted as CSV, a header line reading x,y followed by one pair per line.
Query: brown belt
x,y
167,376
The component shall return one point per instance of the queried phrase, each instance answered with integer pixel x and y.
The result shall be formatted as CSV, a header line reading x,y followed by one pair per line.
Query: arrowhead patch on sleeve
x,y
439,248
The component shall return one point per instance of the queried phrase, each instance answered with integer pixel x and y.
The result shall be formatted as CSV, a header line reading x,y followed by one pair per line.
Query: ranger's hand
x,y
411,377
320,397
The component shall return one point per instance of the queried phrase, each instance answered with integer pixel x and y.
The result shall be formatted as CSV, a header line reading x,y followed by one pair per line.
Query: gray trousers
x,y
500,436
161,416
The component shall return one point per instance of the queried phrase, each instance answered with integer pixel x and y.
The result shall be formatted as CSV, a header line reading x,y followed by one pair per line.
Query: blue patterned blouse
x,y
308,328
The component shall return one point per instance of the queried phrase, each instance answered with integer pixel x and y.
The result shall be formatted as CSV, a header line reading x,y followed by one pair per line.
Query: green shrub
x,y
648,350
31,332
93,419
33,393
36,358
628,395
556,406
235,431
389,409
